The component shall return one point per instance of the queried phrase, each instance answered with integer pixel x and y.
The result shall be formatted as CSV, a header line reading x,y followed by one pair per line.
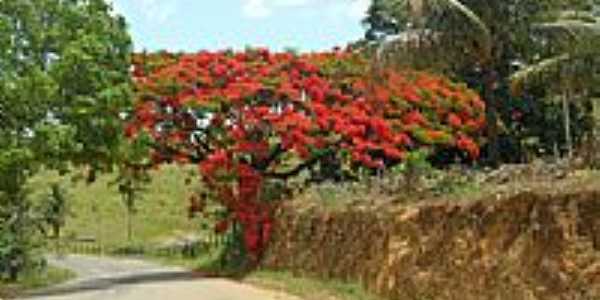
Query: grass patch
x,y
98,213
206,262
210,262
308,288
35,280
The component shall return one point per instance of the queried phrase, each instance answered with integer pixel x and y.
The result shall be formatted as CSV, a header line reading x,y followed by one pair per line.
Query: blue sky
x,y
191,25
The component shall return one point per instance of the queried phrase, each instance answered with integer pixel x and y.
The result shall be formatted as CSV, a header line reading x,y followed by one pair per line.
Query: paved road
x,y
127,279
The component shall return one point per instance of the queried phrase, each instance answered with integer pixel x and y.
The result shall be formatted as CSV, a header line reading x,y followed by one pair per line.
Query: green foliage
x,y
485,42
35,280
413,169
415,161
18,226
64,80
17,239
54,209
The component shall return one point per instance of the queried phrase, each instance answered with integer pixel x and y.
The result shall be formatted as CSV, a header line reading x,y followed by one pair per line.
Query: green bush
x,y
19,243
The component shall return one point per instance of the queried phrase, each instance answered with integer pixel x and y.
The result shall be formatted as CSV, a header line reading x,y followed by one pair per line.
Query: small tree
x,y
131,181
18,226
55,210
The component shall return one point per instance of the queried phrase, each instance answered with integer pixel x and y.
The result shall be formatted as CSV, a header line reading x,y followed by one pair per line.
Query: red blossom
x,y
414,117
454,120
230,111
394,153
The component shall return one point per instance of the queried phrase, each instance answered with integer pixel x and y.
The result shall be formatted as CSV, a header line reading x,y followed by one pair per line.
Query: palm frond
x,y
538,73
425,40
573,28
579,60
485,39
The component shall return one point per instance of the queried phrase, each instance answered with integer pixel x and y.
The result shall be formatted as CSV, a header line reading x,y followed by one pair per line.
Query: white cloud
x,y
291,2
256,9
358,8
259,9
157,10
344,9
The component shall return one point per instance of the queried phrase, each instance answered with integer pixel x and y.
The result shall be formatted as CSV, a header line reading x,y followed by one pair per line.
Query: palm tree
x,y
574,71
488,37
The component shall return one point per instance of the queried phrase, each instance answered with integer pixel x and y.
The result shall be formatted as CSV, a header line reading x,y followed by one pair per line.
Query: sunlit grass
x,y
97,211
309,288
35,280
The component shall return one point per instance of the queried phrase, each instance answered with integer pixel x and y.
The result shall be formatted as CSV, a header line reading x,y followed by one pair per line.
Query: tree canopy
x,y
64,81
249,119
64,73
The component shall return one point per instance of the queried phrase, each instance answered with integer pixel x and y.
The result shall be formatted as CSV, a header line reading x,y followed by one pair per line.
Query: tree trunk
x,y
130,198
567,123
595,117
491,112
593,159
57,237
129,225
129,231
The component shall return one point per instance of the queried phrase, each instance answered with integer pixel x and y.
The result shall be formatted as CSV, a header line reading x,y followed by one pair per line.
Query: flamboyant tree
x,y
248,119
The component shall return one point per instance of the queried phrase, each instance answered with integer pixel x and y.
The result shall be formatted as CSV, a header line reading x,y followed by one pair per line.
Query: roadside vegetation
x,y
97,217
308,288
35,280
187,157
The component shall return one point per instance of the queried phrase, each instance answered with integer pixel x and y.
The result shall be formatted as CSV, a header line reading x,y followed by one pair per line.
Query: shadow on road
x,y
104,283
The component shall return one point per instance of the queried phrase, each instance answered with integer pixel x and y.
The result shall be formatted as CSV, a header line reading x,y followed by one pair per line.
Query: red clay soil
x,y
541,241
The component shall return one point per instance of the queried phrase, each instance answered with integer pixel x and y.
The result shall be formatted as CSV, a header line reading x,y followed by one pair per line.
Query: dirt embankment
x,y
530,245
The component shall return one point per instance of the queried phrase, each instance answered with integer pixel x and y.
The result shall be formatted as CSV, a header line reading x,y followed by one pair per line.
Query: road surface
x,y
102,278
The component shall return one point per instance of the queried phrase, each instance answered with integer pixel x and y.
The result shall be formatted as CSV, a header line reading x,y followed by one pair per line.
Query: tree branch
x,y
299,168
262,166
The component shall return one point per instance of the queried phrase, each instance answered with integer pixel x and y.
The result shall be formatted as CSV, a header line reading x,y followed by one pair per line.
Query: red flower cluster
x,y
245,117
